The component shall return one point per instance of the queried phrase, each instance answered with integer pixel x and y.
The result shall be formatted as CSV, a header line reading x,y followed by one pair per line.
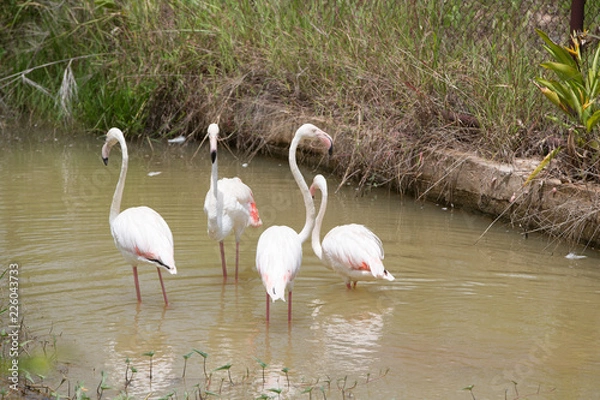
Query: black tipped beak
x,y
213,156
331,150
105,160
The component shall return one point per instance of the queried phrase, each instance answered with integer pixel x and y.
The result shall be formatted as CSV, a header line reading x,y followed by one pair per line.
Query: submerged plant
x,y
226,367
102,386
150,354
129,368
204,356
263,366
287,377
185,358
470,389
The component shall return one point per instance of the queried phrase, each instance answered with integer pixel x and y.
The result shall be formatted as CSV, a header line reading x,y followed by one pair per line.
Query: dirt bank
x,y
564,210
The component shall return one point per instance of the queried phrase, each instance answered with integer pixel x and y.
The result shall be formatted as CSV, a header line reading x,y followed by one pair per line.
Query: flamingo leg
x,y
290,306
137,284
268,307
223,264
354,286
349,285
237,259
162,285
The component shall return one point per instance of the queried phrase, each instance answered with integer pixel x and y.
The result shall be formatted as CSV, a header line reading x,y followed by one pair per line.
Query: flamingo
x,y
279,248
229,205
140,233
352,251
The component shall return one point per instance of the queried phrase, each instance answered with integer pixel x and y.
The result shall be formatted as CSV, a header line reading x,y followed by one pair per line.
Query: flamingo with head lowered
x,y
229,205
140,233
352,251
279,248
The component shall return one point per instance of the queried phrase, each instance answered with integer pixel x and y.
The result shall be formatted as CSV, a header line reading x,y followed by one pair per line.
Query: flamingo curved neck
x,y
308,202
316,232
214,188
214,177
115,207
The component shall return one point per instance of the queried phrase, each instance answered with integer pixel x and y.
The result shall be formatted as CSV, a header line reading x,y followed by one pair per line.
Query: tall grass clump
x,y
394,79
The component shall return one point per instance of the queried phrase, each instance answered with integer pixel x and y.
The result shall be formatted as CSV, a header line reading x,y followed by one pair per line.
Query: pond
x,y
507,314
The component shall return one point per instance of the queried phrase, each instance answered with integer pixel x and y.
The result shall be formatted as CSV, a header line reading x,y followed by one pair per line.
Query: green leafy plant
x,y
204,356
185,358
574,89
263,366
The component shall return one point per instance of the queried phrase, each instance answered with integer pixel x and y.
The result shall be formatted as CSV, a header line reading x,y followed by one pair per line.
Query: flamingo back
x,y
143,236
235,205
278,259
354,250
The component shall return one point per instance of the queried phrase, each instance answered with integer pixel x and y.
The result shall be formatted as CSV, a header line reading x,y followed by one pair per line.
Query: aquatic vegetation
x,y
150,354
185,358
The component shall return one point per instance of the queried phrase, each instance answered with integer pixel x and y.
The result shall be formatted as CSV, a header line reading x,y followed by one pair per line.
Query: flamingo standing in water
x,y
352,251
279,248
229,205
140,233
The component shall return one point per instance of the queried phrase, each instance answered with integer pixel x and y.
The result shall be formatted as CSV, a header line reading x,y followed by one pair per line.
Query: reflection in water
x,y
459,313
143,335
350,338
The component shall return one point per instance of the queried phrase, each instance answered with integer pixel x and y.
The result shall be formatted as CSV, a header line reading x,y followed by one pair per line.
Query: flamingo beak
x,y
213,147
106,151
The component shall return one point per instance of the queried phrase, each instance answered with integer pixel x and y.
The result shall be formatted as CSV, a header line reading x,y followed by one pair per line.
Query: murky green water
x,y
505,309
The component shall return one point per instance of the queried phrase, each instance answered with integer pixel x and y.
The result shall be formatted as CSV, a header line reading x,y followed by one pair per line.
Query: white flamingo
x,y
279,248
229,205
352,251
140,233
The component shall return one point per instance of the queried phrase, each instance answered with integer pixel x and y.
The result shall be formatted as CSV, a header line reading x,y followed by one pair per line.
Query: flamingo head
x,y
319,183
213,134
309,130
387,276
113,136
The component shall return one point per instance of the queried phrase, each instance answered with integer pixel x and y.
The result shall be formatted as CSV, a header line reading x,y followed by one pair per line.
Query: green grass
x,y
388,79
